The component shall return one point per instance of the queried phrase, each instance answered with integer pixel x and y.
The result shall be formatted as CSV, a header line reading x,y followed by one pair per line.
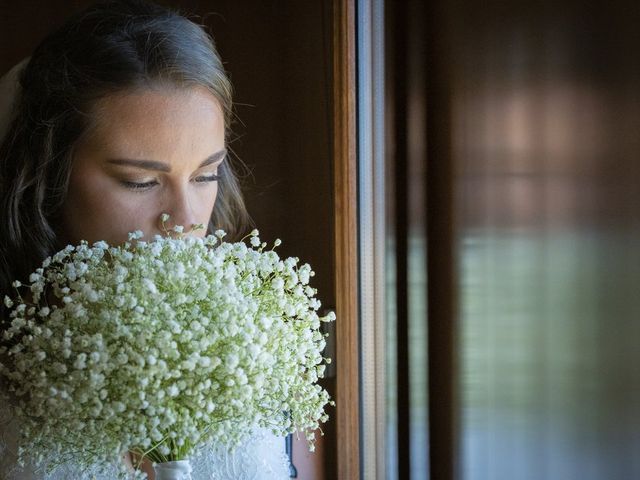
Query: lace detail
x,y
261,457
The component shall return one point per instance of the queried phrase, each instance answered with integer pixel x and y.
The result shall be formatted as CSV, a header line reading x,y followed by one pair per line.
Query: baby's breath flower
x,y
135,235
159,328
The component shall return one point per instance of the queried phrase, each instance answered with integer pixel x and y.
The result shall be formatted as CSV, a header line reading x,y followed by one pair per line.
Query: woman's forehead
x,y
153,119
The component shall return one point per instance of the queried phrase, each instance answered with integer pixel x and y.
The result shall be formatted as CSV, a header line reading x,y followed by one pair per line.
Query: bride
x,y
121,114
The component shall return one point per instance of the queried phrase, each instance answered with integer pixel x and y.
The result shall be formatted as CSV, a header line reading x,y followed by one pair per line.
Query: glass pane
x,y
546,116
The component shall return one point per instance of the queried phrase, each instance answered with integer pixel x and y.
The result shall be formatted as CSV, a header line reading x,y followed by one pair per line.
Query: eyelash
x,y
147,185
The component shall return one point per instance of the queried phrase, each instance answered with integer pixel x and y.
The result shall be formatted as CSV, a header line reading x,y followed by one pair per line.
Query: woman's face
x,y
151,152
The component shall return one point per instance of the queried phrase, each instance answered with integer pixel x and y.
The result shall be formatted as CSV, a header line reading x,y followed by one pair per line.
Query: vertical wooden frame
x,y
346,237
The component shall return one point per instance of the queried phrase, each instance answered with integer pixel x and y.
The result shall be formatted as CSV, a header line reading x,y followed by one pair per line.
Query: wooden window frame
x,y
347,416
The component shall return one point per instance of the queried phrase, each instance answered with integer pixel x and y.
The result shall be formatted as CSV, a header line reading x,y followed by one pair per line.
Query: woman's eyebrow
x,y
163,167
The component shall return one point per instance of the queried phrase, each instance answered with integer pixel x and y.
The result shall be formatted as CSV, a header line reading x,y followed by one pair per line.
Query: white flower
x,y
34,277
203,336
232,361
80,361
149,285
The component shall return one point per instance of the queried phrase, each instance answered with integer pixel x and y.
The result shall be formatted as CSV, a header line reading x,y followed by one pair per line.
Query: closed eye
x,y
208,178
139,186
152,183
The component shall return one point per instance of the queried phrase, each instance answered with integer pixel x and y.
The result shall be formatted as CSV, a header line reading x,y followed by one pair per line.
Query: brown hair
x,y
111,46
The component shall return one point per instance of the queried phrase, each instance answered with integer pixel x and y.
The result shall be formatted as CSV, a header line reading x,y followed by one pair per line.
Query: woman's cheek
x,y
207,202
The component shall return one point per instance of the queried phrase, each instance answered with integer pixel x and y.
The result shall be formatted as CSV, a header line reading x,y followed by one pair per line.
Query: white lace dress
x,y
262,457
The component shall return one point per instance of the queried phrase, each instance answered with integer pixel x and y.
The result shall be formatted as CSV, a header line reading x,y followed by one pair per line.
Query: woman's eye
x,y
208,178
139,186
152,183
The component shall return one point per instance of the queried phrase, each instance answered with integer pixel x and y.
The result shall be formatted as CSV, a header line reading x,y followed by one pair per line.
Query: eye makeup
x,y
148,185
208,178
138,186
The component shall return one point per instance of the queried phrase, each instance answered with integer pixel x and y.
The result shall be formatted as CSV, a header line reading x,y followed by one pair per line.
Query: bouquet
x,y
161,347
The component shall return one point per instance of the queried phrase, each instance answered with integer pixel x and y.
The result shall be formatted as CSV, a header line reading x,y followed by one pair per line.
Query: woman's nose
x,y
181,210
